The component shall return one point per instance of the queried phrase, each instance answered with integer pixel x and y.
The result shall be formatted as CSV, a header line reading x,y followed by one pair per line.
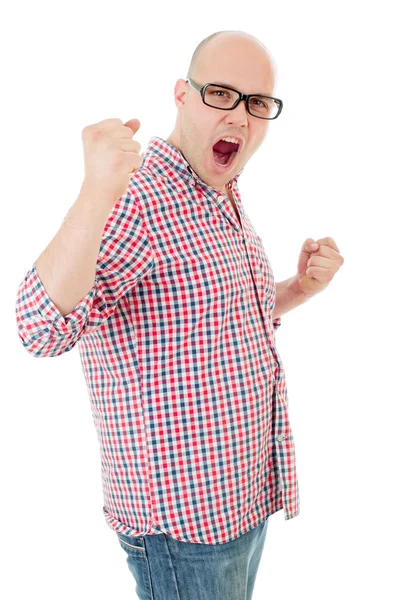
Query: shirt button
x,y
281,437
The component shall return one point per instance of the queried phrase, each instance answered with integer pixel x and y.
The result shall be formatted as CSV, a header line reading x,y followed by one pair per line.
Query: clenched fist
x,y
111,156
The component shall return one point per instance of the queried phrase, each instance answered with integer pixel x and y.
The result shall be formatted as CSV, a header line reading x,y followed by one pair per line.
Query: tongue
x,y
225,147
223,150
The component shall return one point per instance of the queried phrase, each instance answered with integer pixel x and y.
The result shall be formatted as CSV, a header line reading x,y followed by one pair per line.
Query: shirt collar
x,y
172,158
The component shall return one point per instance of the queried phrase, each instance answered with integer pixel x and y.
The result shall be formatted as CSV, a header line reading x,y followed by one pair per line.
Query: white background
x,y
329,167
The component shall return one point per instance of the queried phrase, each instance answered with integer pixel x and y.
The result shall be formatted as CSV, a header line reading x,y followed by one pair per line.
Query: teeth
x,y
231,139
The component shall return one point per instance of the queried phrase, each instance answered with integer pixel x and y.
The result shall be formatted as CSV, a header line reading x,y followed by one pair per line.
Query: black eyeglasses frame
x,y
245,97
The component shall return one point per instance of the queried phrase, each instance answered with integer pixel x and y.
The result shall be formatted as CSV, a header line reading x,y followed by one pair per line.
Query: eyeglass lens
x,y
259,106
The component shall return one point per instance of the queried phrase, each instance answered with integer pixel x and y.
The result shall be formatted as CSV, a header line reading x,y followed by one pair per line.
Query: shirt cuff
x,y
38,310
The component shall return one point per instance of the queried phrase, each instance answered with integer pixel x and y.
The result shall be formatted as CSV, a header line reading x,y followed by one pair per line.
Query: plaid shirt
x,y
177,344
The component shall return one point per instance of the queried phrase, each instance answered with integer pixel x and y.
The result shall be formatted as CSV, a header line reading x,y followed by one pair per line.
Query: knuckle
x,y
91,133
96,134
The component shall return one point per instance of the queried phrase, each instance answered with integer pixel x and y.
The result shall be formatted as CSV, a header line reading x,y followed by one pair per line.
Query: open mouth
x,y
224,153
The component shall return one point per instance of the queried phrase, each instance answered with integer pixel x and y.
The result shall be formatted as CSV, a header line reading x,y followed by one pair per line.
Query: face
x,y
243,65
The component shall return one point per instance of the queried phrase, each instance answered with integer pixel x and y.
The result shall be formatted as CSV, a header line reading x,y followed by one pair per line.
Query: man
x,y
177,333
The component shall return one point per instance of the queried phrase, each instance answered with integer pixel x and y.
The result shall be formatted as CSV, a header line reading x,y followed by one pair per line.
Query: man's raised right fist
x,y
111,156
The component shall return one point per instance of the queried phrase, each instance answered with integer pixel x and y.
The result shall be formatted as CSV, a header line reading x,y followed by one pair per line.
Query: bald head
x,y
233,59
226,42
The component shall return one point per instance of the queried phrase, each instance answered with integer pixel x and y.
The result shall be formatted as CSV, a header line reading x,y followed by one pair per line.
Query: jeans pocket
x,y
132,544
138,564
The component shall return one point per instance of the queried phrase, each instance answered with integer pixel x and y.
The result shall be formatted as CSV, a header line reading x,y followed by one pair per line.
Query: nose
x,y
238,115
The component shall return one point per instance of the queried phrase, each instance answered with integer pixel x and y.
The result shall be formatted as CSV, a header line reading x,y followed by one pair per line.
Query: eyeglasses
x,y
226,98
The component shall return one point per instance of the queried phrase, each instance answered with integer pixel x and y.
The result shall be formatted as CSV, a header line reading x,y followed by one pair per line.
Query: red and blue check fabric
x,y
177,343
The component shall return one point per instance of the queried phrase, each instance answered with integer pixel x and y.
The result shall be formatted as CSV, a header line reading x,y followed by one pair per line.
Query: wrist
x,y
295,291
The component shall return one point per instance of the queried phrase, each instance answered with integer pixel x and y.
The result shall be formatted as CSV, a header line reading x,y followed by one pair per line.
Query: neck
x,y
170,140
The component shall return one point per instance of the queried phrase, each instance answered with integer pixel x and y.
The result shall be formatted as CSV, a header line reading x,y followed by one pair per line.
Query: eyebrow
x,y
233,87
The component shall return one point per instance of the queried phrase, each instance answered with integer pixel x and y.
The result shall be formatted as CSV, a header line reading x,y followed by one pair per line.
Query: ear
x,y
180,92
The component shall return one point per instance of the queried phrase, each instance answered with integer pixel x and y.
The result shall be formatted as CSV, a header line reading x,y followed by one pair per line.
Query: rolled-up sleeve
x,y
125,257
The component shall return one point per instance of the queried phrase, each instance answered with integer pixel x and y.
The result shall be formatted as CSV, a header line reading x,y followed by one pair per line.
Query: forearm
x,y
67,266
288,296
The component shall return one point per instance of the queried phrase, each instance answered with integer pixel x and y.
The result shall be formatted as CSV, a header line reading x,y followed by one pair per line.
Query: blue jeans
x,y
167,569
